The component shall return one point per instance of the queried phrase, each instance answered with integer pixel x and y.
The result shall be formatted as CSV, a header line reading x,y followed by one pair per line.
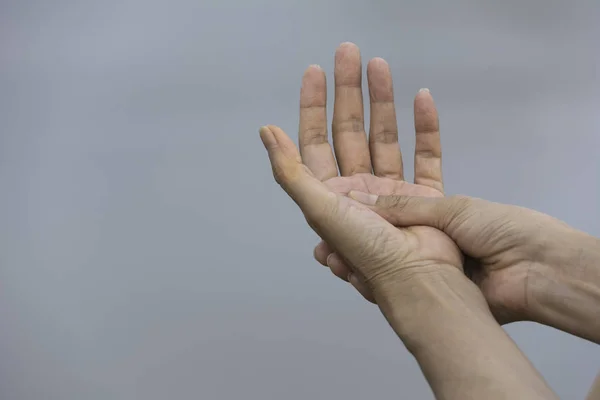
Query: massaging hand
x,y
528,265
415,276
381,256
372,165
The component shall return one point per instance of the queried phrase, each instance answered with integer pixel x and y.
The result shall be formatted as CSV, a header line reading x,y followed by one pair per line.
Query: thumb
x,y
436,212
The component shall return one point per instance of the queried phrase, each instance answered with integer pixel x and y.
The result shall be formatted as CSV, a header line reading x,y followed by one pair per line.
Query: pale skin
x,y
409,272
528,265
371,164
371,168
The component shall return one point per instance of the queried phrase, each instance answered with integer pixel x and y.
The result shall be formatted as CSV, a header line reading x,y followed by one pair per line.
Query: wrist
x,y
564,291
444,321
416,306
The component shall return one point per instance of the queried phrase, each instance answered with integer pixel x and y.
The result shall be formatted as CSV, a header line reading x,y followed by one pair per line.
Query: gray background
x,y
146,253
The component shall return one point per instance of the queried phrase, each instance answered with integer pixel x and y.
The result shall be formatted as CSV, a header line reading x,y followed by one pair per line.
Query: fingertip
x,y
313,92
280,137
424,96
425,112
273,128
338,267
377,64
292,175
313,73
321,252
379,76
347,46
267,137
347,51
283,153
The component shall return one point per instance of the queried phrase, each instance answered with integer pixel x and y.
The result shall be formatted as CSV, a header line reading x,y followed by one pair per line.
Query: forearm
x,y
461,349
567,295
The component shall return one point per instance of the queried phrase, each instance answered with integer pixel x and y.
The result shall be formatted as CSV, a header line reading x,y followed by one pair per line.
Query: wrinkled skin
x,y
373,163
381,257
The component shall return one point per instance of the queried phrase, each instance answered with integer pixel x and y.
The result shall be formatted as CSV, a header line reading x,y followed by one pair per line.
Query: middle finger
x,y
383,135
348,128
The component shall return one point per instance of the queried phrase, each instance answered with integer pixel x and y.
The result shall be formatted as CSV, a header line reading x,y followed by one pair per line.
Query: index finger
x,y
314,145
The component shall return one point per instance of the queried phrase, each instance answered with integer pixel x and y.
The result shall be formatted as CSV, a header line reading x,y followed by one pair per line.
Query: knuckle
x,y
352,124
359,167
389,136
314,136
428,154
398,202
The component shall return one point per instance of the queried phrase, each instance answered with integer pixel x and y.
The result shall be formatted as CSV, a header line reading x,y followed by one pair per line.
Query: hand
x,y
512,288
376,252
530,266
416,279
356,156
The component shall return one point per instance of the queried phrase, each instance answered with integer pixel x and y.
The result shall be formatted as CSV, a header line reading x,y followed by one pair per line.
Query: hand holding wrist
x,y
444,321
370,244
415,302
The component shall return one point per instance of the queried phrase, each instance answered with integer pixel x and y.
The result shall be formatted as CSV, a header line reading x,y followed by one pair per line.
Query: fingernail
x,y
267,137
365,198
424,90
330,259
349,277
317,66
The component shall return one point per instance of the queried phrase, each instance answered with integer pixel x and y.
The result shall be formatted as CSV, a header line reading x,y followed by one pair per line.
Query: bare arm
x,y
565,294
417,279
459,346
531,266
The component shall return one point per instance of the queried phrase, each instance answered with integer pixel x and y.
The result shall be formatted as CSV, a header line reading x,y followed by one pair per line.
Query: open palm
x,y
373,163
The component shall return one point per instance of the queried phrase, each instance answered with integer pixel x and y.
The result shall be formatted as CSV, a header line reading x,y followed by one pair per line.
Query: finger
x,y
315,149
349,137
338,267
361,287
337,219
428,148
383,132
311,195
407,210
322,251
450,215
